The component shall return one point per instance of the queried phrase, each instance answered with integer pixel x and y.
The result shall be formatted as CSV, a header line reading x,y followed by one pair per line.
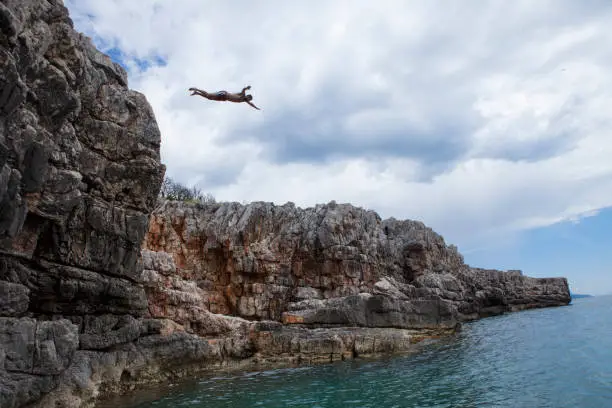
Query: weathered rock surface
x,y
79,174
332,265
85,311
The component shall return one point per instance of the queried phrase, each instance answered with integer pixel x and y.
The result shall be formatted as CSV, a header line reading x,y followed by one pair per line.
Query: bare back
x,y
235,97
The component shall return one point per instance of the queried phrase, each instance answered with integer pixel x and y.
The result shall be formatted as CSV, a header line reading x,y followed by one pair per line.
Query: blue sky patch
x,y
127,62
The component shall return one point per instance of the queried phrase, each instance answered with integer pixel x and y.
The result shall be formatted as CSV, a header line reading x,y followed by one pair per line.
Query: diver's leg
x,y
204,94
196,91
216,96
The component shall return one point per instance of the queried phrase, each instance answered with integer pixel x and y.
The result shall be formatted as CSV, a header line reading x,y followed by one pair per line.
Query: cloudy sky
x,y
490,121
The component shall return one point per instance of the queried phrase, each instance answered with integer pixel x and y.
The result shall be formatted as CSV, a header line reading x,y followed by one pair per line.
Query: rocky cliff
x,y
86,312
79,174
333,265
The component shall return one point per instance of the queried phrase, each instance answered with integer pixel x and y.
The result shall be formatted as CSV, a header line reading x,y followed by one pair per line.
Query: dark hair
x,y
249,97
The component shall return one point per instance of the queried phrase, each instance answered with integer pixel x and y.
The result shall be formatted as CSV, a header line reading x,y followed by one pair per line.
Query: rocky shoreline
x,y
103,288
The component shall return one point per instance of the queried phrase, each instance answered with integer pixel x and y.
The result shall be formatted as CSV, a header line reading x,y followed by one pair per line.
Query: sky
x,y
489,121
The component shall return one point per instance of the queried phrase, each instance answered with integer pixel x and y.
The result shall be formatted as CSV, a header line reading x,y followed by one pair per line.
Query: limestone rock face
x,y
79,174
33,355
333,264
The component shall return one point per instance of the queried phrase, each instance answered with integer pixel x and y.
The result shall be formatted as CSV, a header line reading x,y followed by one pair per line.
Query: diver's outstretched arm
x,y
246,88
253,105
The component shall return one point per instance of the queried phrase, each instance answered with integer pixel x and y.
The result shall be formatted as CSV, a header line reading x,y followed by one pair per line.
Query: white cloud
x,y
477,118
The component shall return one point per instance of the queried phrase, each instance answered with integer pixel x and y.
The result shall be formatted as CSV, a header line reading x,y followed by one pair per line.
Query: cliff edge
x,y
102,289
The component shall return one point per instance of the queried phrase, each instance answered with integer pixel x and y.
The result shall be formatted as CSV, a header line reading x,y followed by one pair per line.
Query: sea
x,y
555,357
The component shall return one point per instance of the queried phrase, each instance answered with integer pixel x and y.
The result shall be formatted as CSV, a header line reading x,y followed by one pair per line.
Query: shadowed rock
x,y
79,174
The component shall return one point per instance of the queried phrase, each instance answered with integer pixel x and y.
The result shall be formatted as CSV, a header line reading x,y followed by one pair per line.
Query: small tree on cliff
x,y
175,191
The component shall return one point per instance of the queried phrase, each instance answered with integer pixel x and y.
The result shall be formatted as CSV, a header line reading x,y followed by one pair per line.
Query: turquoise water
x,y
558,357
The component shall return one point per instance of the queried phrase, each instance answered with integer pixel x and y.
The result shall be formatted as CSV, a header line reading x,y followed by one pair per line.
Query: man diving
x,y
226,96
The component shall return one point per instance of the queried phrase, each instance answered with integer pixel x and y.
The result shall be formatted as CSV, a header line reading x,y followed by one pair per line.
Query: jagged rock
x,y
14,299
17,390
83,150
330,265
62,290
79,173
39,348
104,336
